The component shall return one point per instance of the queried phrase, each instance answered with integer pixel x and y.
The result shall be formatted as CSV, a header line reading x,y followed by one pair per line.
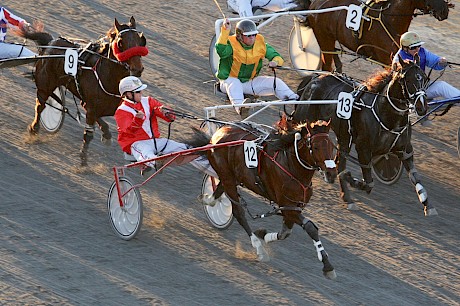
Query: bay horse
x,y
379,121
379,33
287,161
101,66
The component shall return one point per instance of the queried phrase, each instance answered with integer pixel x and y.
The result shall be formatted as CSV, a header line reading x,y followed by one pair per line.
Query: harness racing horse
x,y
379,121
379,33
101,66
286,164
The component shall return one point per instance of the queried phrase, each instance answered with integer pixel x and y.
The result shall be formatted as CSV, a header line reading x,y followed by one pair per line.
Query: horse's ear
x,y
117,25
132,22
401,61
143,40
417,59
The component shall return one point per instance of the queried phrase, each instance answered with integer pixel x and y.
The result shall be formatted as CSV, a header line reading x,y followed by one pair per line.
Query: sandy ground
x,y
57,246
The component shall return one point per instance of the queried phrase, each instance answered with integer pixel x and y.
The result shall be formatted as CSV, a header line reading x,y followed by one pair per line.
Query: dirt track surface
x,y
57,246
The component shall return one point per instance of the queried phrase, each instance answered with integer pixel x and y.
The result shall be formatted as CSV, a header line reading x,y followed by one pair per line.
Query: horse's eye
x,y
418,77
120,45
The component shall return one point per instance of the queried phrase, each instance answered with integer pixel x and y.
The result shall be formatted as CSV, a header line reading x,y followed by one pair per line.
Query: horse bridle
x,y
308,143
411,97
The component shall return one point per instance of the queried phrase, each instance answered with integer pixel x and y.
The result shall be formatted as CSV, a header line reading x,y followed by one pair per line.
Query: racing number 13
x,y
345,105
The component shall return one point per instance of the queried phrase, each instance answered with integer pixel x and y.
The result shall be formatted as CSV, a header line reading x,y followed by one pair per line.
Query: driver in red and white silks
x,y
241,58
245,7
412,44
137,125
8,50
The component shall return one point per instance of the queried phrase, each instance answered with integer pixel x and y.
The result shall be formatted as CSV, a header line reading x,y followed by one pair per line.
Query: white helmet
x,y
411,39
130,83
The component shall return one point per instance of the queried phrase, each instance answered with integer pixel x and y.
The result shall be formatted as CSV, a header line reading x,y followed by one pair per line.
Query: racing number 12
x,y
250,154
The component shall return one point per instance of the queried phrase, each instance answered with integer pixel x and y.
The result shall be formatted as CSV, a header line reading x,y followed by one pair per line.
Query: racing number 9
x,y
70,63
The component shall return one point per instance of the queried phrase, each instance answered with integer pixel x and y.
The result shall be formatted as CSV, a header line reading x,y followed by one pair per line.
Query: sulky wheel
x,y
307,54
220,216
387,168
52,117
126,220
213,56
458,141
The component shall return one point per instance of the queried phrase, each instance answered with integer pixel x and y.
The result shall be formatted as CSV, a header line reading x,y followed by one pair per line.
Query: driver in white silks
x,y
8,50
245,7
137,125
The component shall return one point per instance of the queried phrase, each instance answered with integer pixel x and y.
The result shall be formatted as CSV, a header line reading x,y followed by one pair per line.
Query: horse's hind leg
x,y
312,231
230,187
408,162
106,137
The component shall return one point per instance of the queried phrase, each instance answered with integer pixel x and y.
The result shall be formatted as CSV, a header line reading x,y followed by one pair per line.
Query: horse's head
x,y
321,149
439,9
413,81
128,46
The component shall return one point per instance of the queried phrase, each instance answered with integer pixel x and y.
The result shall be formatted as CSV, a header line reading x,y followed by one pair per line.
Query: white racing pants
x,y
441,89
244,7
13,51
259,86
145,149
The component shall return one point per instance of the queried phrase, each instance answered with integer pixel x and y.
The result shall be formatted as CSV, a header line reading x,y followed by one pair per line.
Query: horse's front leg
x,y
88,135
106,137
34,127
407,159
289,218
345,178
312,231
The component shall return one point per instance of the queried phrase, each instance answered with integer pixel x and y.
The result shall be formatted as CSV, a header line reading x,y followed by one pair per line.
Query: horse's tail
x,y
35,33
199,139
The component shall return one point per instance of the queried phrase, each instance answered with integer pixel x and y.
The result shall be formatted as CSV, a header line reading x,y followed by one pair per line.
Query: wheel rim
x,y
52,116
219,215
125,220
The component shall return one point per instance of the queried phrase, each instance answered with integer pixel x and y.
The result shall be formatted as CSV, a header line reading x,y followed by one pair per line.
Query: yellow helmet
x,y
411,39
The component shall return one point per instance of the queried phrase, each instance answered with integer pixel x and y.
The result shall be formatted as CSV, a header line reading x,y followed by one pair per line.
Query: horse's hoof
x,y
206,199
263,257
352,206
330,274
106,141
430,212
32,131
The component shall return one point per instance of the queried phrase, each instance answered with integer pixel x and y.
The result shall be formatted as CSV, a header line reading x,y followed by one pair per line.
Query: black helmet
x,y
245,27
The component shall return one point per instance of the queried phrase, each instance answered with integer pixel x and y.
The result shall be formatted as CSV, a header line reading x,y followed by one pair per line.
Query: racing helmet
x,y
130,83
411,39
245,27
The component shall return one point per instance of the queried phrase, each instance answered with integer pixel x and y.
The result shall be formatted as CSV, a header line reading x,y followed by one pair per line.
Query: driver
x,y
137,126
8,50
412,44
245,7
241,57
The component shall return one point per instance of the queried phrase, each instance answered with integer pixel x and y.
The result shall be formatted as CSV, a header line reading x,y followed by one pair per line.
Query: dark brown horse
x,y
101,66
379,34
287,161
379,121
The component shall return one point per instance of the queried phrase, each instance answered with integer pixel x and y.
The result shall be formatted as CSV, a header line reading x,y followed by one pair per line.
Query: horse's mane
x,y
378,80
284,134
